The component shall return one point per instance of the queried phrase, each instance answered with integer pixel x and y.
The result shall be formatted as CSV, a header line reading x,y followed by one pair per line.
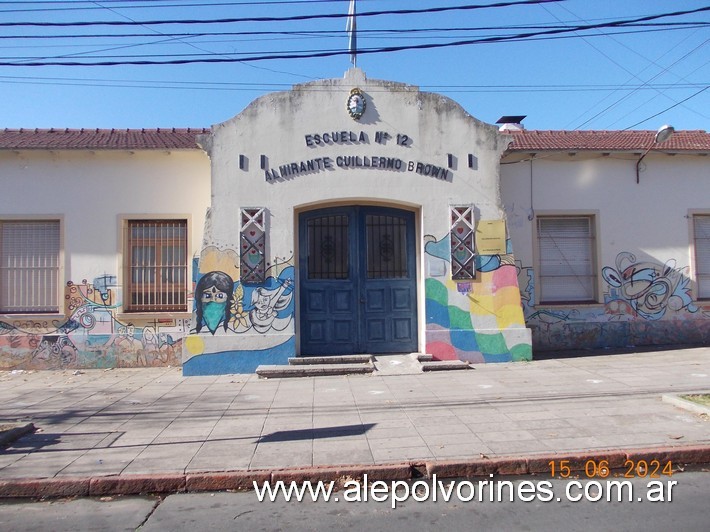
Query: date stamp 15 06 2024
x,y
601,469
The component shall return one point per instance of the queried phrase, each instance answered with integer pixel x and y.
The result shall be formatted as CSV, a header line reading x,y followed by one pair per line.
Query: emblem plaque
x,y
356,104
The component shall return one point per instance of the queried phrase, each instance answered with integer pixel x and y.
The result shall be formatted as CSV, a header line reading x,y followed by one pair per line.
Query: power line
x,y
330,53
260,86
151,6
627,95
428,10
338,33
177,41
669,108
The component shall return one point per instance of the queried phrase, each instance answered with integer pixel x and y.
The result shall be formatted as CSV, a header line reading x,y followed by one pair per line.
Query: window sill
x,y
56,319
570,304
128,316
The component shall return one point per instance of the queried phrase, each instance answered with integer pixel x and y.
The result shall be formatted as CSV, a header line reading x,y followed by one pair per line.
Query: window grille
x,y
463,265
386,247
328,247
253,243
157,266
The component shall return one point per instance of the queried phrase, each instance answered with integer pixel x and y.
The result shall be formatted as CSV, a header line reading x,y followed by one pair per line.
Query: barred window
x,y
463,251
29,266
156,266
566,259
252,262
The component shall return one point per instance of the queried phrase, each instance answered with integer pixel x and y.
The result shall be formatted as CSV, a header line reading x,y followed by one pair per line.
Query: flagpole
x,y
351,28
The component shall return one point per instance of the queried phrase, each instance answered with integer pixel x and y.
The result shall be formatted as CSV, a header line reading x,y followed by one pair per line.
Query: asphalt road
x,y
540,504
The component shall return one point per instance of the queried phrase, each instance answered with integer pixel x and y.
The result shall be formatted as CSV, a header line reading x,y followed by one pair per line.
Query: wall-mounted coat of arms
x,y
356,104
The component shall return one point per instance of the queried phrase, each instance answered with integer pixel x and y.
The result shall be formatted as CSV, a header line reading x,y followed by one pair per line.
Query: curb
x,y
574,463
686,404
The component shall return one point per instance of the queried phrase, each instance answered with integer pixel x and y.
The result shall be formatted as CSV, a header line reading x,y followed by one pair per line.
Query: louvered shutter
x,y
29,266
567,272
702,255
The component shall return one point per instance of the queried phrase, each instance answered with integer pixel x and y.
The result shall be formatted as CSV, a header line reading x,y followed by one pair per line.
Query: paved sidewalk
x,y
129,423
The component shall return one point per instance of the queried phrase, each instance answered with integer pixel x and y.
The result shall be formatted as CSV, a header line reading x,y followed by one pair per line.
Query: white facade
x,y
293,152
91,193
644,246
456,239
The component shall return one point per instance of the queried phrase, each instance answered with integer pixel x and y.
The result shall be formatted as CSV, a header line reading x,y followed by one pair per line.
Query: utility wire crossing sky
x,y
565,64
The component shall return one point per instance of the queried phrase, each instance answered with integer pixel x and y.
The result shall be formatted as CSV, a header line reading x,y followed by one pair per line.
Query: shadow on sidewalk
x,y
603,351
313,434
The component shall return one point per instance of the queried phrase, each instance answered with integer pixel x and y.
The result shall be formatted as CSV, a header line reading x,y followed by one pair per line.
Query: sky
x,y
567,64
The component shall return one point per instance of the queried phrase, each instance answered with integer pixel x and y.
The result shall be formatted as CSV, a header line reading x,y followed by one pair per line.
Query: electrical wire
x,y
331,53
363,14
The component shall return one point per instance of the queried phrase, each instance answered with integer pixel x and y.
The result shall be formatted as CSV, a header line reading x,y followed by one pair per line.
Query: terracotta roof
x,y
100,139
185,138
632,140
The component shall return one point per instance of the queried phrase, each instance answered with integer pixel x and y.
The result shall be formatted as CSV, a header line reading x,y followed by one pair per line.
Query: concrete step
x,y
425,357
340,359
444,365
312,370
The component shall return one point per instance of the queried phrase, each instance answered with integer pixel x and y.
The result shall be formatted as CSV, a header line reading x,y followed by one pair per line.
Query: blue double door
x,y
357,281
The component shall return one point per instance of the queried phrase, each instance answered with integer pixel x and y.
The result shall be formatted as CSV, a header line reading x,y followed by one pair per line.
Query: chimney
x,y
511,122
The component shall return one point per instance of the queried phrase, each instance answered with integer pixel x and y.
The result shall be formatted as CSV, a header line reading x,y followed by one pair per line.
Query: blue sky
x,y
607,78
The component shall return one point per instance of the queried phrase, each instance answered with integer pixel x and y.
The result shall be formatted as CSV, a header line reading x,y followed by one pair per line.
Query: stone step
x,y
444,365
425,357
312,370
339,359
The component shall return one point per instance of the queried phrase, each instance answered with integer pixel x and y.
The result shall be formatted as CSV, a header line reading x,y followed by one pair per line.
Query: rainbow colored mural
x,y
476,321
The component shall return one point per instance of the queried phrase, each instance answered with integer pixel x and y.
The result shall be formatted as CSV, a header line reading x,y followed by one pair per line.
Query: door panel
x,y
357,281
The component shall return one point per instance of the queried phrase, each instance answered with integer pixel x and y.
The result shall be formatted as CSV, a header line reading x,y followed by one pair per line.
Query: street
x,y
242,511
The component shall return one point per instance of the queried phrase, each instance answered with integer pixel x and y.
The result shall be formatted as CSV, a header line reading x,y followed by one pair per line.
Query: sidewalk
x,y
132,430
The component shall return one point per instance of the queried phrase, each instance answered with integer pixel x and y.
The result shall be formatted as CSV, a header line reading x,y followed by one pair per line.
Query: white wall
x,y
91,189
276,126
648,219
643,241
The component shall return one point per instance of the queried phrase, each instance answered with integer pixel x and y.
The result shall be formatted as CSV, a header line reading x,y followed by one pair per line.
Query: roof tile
x,y
631,140
100,139
185,138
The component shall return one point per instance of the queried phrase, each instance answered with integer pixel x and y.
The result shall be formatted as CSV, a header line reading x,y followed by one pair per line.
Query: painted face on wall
x,y
215,292
263,301
213,307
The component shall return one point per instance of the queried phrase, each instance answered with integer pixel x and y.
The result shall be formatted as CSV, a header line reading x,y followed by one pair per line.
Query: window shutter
x,y
29,266
702,255
566,251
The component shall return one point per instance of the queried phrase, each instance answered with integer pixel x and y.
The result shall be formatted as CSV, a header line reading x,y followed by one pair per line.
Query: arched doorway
x,y
357,281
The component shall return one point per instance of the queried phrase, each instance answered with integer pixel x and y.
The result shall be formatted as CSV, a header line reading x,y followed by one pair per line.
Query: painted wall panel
x,y
90,191
646,290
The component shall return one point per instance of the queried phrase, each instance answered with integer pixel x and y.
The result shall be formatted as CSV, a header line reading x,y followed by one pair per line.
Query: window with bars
x,y
566,259
463,252
253,243
386,247
29,266
328,247
156,266
701,232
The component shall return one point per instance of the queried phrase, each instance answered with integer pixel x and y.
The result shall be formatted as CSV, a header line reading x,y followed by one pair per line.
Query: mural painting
x,y
91,336
481,321
644,303
237,325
